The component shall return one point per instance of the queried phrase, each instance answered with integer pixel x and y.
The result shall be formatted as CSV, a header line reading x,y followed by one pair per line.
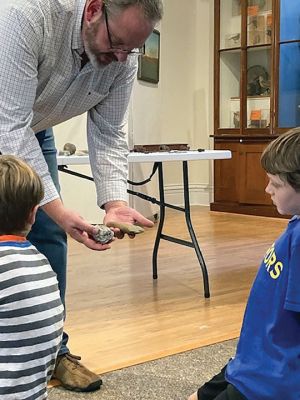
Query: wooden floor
x,y
118,316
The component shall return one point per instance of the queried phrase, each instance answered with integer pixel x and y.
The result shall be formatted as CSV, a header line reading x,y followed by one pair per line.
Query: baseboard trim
x,y
200,194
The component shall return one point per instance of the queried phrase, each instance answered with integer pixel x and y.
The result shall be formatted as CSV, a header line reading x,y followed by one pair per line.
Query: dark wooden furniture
x,y
256,97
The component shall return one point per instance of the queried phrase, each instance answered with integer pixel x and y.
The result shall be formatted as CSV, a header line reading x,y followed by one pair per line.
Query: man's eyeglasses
x,y
114,49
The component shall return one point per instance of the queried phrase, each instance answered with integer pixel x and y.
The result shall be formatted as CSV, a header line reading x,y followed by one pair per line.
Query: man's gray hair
x,y
153,9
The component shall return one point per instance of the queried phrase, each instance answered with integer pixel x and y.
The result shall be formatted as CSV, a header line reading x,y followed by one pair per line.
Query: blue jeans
x,y
45,234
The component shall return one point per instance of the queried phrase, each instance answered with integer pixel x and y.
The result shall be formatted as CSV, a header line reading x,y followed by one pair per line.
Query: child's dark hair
x,y
282,157
21,189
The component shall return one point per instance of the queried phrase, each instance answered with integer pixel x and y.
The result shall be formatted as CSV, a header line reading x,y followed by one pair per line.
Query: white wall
x,y
77,194
178,109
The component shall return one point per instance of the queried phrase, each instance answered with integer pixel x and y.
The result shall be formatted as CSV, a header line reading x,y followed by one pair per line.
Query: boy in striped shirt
x,y
31,312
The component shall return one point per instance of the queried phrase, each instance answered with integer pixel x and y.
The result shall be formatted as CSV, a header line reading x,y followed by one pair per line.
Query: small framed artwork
x,y
148,69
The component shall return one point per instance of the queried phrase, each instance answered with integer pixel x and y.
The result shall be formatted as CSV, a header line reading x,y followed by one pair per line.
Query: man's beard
x,y
97,58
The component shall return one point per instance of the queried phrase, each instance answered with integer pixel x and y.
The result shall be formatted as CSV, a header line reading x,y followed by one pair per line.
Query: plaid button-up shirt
x,y
42,84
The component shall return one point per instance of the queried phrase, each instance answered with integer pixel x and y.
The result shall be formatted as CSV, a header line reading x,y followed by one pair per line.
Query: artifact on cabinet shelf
x,y
260,4
258,82
268,5
265,86
268,28
262,123
234,112
236,7
256,23
255,115
256,37
256,120
256,30
236,119
233,40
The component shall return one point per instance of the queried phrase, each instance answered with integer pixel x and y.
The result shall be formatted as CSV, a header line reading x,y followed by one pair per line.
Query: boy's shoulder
x,y
13,243
294,222
293,230
20,253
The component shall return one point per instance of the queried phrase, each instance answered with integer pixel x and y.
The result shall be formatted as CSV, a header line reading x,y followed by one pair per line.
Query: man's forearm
x,y
55,210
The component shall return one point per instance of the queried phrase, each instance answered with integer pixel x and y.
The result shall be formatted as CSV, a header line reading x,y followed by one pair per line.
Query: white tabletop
x,y
152,157
73,160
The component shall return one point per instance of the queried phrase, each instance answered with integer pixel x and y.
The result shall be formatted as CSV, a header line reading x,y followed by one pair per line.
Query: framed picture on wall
x,y
148,69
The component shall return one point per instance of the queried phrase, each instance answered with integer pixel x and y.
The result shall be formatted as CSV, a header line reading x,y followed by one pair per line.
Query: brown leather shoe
x,y
74,376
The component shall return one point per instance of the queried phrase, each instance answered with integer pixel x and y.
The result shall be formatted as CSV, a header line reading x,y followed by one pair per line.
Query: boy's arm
x,y
292,300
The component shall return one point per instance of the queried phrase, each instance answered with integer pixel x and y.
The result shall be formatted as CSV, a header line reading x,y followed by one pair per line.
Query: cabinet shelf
x,y
258,46
252,97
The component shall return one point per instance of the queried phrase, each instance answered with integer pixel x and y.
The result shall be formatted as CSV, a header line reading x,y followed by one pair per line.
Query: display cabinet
x,y
257,94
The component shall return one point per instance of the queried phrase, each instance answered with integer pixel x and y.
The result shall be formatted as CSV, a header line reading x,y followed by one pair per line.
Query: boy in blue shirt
x,y
267,361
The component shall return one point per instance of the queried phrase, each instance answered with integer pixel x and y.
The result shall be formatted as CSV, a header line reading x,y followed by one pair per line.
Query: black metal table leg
x,y
162,208
191,229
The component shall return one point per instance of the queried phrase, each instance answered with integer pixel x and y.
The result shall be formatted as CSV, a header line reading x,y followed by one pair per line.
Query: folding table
x,y
158,158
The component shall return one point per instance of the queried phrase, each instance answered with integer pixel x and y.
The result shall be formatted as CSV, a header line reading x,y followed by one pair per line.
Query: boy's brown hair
x,y
282,158
21,189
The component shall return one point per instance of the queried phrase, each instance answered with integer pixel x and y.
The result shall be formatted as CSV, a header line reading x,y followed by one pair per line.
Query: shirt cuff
x,y
106,195
50,191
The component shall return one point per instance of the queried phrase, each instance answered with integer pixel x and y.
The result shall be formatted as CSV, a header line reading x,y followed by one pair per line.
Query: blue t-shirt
x,y
267,361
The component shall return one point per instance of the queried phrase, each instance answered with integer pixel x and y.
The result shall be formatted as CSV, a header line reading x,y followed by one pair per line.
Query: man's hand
x,y
81,231
118,211
74,225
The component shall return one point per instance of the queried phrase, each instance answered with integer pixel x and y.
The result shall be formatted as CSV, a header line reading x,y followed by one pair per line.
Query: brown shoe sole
x,y
91,388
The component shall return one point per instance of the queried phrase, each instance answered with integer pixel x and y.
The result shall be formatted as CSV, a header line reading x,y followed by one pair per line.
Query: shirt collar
x,y
77,43
12,238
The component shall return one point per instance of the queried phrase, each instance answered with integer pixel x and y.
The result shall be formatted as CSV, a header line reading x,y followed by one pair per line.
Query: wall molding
x,y
200,194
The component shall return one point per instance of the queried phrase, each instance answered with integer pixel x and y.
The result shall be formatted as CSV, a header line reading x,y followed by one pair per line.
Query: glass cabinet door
x,y
230,89
230,63
289,65
230,24
258,87
259,37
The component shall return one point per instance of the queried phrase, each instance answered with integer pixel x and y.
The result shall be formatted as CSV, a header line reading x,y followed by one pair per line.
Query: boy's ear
x,y
31,217
93,9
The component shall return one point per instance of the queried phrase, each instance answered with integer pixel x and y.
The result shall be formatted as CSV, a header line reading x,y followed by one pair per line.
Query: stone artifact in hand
x,y
130,229
104,234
